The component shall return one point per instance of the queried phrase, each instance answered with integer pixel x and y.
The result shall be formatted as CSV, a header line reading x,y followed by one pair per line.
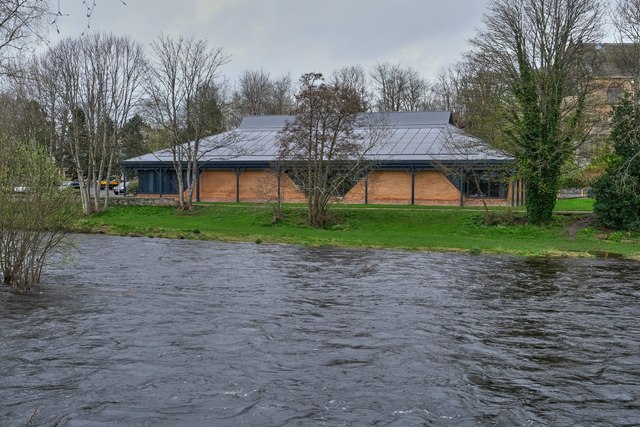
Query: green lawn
x,y
452,229
574,205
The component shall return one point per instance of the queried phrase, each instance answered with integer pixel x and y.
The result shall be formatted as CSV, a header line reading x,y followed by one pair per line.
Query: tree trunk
x,y
541,199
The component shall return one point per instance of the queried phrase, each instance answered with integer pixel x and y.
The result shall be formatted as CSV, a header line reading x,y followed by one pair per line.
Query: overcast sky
x,y
298,36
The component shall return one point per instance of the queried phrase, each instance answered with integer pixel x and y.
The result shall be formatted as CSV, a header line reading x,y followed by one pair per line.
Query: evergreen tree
x,y
617,192
541,50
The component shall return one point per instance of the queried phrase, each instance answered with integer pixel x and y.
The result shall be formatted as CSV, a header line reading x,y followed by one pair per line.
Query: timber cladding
x,y
390,187
433,188
246,186
382,187
218,186
395,187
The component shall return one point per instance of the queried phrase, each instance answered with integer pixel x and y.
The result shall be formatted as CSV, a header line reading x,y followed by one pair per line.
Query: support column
x,y
198,184
238,172
513,195
160,173
461,187
366,190
413,185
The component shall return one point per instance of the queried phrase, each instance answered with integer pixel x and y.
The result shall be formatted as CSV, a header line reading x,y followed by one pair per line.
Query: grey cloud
x,y
298,36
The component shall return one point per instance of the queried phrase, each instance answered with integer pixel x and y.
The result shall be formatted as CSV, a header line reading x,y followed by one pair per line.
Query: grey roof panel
x,y
417,119
408,136
264,122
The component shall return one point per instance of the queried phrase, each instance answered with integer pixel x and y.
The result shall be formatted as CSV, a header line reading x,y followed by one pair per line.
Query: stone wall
x,y
146,200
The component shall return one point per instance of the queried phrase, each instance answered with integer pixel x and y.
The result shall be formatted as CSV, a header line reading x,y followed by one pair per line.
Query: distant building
x,y
422,159
617,69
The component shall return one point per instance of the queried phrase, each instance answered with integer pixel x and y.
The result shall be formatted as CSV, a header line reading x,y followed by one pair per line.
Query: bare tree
x,y
180,83
270,189
22,119
399,88
253,96
324,150
354,78
36,83
24,23
91,85
541,49
282,96
257,93
479,100
480,172
21,24
125,66
447,89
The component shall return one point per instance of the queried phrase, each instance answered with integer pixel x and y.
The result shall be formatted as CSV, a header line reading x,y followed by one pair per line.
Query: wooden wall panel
x,y
217,186
255,186
262,186
291,192
356,194
433,188
385,187
390,187
258,186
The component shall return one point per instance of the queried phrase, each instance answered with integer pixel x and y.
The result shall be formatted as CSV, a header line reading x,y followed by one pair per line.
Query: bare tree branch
x,y
181,89
325,149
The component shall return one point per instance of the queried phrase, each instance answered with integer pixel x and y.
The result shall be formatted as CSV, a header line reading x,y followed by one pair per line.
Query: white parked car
x,y
70,184
120,188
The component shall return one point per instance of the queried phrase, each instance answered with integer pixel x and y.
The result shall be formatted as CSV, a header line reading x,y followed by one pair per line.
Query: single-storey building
x,y
421,159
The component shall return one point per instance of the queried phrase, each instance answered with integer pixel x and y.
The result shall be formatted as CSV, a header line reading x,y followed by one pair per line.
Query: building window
x,y
485,184
614,93
152,182
148,182
340,190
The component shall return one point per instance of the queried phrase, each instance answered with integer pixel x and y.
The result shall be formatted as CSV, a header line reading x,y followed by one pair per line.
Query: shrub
x,y
132,188
506,217
34,222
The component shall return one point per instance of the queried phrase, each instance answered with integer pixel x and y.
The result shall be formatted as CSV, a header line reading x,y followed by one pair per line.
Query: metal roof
x,y
406,137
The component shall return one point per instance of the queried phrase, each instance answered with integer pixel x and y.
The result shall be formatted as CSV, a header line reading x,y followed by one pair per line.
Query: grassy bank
x,y
419,228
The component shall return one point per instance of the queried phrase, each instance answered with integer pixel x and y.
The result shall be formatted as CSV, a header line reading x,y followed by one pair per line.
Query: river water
x,y
135,331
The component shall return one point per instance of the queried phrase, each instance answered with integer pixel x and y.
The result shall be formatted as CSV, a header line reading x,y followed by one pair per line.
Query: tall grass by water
x,y
393,227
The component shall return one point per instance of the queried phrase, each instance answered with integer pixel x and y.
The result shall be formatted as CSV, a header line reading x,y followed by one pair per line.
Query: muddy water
x,y
156,332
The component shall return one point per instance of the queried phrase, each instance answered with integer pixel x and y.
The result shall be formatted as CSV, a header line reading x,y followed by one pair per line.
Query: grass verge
x,y
575,205
453,229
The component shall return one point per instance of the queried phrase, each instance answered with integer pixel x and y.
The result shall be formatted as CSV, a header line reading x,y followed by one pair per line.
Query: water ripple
x,y
158,332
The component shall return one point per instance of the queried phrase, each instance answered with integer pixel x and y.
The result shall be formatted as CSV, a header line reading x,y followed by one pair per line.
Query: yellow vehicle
x,y
113,182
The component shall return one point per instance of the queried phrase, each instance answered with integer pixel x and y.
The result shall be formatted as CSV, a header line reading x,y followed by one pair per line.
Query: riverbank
x,y
391,227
